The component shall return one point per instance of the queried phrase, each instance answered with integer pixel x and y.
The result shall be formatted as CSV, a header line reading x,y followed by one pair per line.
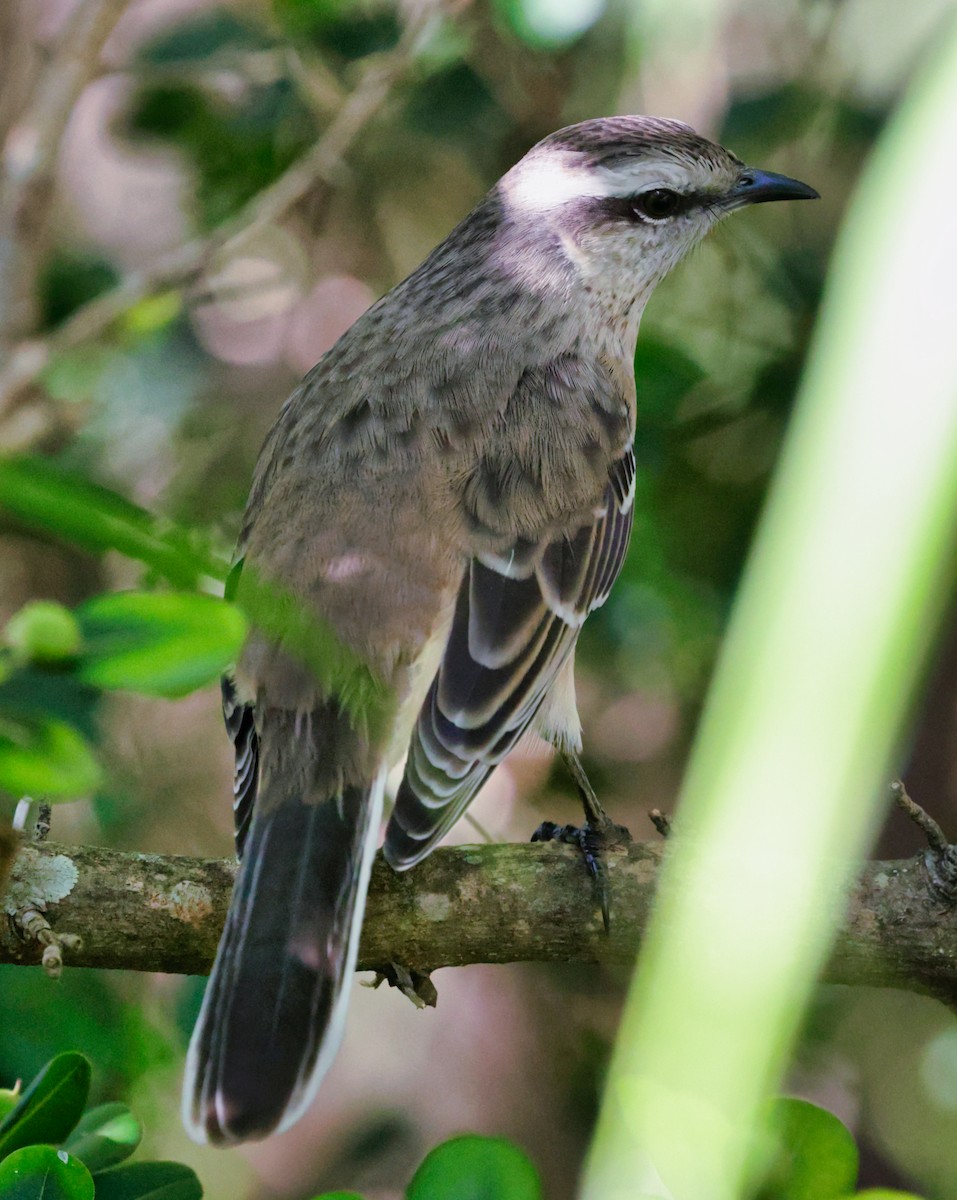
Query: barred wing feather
x,y
516,622
241,727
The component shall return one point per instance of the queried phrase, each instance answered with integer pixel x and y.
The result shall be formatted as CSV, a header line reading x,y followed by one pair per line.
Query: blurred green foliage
x,y
345,29
815,1157
469,1168
263,130
86,1010
150,471
53,1148
161,644
97,519
266,132
69,280
201,37
812,1156
475,1168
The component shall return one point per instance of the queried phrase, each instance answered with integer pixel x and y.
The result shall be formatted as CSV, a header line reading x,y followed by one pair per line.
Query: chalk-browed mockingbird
x,y
450,490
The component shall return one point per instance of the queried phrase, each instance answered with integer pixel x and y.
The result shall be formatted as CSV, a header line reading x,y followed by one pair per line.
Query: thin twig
x,y
480,829
21,60
29,160
936,838
315,82
181,267
661,821
58,87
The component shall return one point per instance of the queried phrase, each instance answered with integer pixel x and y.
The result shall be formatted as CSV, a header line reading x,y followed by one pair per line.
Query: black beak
x,y
758,187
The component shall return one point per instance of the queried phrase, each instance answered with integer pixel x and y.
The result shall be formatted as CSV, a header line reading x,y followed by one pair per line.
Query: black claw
x,y
592,841
416,986
942,871
548,831
596,835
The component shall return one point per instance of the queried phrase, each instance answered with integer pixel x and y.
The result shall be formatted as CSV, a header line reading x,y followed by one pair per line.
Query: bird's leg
x,y
596,835
594,813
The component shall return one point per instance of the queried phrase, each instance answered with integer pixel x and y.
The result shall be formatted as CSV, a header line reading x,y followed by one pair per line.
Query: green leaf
x,y
149,1181
9,1099
105,1136
51,1105
815,1156
44,497
886,1194
163,644
45,757
43,632
305,636
44,1173
475,1168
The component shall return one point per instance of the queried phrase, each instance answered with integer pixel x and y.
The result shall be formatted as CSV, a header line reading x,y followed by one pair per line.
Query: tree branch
x,y
464,904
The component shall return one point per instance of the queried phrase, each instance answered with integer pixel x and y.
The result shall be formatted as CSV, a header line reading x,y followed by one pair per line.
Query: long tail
x,y
275,1004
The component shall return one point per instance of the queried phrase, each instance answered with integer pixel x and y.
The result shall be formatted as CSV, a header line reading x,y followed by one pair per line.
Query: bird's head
x,y
629,196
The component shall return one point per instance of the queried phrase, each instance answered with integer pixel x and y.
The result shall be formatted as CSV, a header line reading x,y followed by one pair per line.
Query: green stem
x,y
841,601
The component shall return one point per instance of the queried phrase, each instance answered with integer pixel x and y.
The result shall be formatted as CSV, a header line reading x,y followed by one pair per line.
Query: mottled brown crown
x,y
607,141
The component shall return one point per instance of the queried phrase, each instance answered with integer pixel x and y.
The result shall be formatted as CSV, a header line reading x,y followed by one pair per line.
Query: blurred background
x,y
251,176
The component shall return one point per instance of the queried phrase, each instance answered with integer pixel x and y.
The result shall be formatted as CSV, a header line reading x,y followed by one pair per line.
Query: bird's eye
x,y
657,204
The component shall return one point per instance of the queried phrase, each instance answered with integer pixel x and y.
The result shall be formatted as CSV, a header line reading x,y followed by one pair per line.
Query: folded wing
x,y
516,622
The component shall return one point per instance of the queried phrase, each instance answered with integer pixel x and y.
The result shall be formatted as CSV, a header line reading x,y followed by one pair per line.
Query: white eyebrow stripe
x,y
548,181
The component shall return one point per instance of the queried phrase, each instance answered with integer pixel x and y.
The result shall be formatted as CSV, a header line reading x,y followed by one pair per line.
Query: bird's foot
x,y
592,840
416,986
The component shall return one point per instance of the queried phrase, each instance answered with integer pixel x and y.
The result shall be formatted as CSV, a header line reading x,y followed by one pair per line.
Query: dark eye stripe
x,y
626,208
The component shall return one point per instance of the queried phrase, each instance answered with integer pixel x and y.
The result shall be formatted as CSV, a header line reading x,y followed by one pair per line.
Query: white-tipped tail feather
x,y
276,1001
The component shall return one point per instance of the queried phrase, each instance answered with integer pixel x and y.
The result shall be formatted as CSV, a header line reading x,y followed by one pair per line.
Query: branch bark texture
x,y
464,904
